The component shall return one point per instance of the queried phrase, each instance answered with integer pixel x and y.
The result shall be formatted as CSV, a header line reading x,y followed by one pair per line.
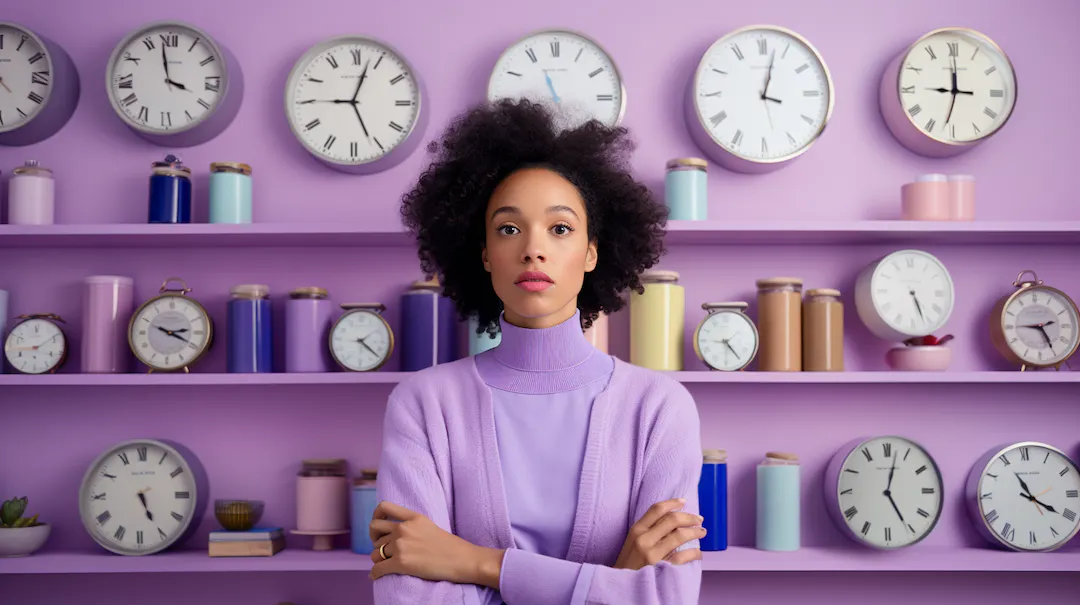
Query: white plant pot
x,y
22,541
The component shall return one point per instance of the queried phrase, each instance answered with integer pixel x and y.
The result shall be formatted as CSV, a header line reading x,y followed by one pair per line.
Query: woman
x,y
541,471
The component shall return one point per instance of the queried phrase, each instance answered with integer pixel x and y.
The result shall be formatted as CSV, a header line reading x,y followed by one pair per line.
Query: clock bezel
x,y
703,136
200,486
61,101
831,489
213,121
866,306
973,487
372,310
901,125
178,294
556,31
412,136
1001,341
718,309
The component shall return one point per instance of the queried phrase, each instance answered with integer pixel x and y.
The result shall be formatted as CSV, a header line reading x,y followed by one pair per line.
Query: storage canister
x,y
250,343
428,327
712,500
823,331
31,195
364,501
779,308
107,306
778,502
308,317
685,190
230,193
3,320
322,496
478,343
170,192
656,322
597,333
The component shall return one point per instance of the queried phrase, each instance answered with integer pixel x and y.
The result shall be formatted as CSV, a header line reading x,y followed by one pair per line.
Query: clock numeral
x,y
126,81
914,110
170,40
139,537
865,527
846,491
762,46
104,517
716,119
927,490
176,472
987,496
886,449
354,149
312,124
163,456
807,119
1008,532
166,118
142,453
866,452
923,513
377,61
790,138
177,516
605,97
991,475
930,50
204,104
1025,454
1070,515
329,142
802,68
532,55
403,103
811,93
22,40
119,534
377,143
183,495
100,496
162,534
952,131
397,79
1031,538
737,139
1062,472
1004,459
930,125
888,534
764,146
104,474
853,472
910,528
991,70
355,56
192,47
124,458
40,77
990,112
851,512
189,116
35,97
144,114
149,42
212,83
555,48
997,93
397,127
210,59
991,516
909,90
738,51
920,470
1,41
1072,493
1054,531
954,49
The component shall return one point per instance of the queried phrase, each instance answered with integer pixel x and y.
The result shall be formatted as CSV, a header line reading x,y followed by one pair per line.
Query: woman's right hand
x,y
658,533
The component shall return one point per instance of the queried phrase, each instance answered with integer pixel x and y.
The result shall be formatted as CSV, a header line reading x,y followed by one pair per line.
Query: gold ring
x,y
383,552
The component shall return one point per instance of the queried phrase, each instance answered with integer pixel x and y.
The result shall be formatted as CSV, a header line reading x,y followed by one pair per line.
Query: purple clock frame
x,y
58,106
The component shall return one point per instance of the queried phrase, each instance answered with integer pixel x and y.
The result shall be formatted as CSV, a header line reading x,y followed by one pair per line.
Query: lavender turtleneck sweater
x,y
550,449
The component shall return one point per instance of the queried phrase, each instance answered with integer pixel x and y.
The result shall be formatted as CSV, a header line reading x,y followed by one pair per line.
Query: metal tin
x,y
31,195
230,193
250,343
170,192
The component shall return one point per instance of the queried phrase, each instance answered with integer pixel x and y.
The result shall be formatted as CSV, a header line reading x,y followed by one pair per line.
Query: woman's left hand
x,y
416,546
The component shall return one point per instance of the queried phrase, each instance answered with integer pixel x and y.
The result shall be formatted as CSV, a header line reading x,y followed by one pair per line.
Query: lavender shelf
x,y
735,559
679,233
688,377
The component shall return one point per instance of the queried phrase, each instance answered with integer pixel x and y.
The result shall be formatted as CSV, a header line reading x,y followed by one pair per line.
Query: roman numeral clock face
x,y
912,293
25,76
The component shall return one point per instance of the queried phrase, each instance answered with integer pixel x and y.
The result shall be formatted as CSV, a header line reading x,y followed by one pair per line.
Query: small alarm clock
x,y
37,344
1035,326
726,339
170,331
361,340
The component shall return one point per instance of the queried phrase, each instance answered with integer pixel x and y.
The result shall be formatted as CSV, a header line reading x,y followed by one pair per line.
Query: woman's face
x,y
537,247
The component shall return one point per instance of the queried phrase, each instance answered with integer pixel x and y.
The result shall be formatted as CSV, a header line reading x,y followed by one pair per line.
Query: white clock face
x,y
956,85
361,341
563,68
1041,326
1029,497
352,101
35,346
912,292
763,94
25,75
890,492
166,79
727,340
170,332
138,499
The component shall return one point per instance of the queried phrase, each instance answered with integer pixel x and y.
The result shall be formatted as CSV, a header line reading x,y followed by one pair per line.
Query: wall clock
x,y
39,86
951,90
361,340
759,98
1036,325
170,331
904,294
565,68
142,496
356,104
36,344
884,492
173,84
1024,496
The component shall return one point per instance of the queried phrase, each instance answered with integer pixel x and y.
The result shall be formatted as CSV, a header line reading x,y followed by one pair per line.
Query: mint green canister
x,y
230,193
685,189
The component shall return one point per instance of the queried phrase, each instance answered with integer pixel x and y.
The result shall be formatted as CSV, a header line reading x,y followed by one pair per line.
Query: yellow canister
x,y
656,322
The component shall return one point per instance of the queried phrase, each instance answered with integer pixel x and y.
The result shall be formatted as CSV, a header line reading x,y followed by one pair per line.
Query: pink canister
x,y
961,197
597,334
322,497
927,199
107,306
31,194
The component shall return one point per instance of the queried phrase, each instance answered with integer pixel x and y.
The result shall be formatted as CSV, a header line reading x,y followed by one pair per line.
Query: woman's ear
x,y
590,257
484,258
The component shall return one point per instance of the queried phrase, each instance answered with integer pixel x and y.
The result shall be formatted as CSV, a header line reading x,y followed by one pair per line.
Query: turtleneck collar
x,y
543,360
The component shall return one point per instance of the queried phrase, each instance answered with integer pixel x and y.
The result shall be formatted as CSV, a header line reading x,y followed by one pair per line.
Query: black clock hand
x,y
1023,486
888,489
357,110
173,334
364,344
918,307
728,345
165,64
1037,501
363,76
142,499
768,76
952,103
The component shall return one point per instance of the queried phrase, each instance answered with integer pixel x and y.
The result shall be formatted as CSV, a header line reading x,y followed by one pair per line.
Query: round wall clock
x,y
361,340
949,91
356,104
173,84
884,492
1024,496
170,331
1036,325
142,496
39,86
759,98
904,294
564,68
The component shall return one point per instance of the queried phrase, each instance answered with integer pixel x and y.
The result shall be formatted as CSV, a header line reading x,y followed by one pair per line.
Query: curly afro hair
x,y
483,146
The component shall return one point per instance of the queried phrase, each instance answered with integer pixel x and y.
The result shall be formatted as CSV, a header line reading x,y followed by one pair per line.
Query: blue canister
x,y
364,501
3,320
249,346
778,502
478,343
428,327
685,189
712,500
230,193
170,192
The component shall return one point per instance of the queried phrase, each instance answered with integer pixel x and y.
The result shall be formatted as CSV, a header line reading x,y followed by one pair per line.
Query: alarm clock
x,y
170,331
37,344
143,496
1024,497
726,339
1036,325
884,492
39,86
904,294
361,340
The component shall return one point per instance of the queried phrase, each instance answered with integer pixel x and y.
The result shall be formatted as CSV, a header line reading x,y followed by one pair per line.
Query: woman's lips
x,y
534,281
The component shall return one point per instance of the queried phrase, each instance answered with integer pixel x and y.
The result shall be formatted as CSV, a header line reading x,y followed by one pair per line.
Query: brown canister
x,y
823,331
779,309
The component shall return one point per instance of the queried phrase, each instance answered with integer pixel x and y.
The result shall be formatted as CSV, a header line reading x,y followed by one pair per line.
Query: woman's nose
x,y
534,249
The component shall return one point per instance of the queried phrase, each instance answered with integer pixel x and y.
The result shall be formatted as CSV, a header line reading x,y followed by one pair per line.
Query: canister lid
x,y
375,306
308,292
782,456
961,177
236,167
775,282
171,165
823,292
108,279
426,284
250,291
931,178
737,304
31,168
714,455
659,275
687,163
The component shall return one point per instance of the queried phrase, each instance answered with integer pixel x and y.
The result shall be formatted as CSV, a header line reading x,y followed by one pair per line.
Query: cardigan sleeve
x,y
672,469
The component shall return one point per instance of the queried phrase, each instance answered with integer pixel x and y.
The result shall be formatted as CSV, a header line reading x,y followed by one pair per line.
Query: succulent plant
x,y
11,514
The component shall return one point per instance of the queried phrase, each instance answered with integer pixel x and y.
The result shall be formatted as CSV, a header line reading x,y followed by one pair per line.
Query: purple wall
x,y
252,438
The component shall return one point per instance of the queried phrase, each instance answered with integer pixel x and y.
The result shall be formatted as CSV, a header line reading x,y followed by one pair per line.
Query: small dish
x,y
931,358
238,515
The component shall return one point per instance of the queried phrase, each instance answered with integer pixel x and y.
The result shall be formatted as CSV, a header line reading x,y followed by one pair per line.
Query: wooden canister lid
x,y
714,455
308,292
236,167
697,163
823,292
782,456
775,282
659,275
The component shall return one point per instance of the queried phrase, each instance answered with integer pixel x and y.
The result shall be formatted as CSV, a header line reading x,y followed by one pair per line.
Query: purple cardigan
x,y
440,457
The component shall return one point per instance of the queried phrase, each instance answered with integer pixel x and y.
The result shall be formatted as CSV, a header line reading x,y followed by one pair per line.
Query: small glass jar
x,y
230,193
170,192
657,319
250,342
779,309
823,331
685,189
31,195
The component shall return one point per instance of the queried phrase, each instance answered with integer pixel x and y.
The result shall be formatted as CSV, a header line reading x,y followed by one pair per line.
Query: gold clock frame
x,y
997,322
375,309
165,293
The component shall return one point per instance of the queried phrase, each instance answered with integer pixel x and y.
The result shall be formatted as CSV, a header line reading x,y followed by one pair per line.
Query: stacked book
x,y
255,542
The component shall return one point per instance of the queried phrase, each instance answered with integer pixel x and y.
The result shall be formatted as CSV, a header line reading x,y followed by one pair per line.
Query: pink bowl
x,y
933,358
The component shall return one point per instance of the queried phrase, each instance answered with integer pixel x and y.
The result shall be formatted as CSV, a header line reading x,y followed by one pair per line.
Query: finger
x,y
658,510
376,556
676,539
388,510
669,523
380,527
682,557
384,568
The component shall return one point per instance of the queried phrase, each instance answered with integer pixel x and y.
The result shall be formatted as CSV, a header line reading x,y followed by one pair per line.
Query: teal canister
x,y
685,189
478,343
230,193
778,498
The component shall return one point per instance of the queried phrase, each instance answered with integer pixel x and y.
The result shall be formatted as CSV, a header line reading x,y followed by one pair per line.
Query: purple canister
x,y
31,195
107,306
308,315
170,192
428,327
250,346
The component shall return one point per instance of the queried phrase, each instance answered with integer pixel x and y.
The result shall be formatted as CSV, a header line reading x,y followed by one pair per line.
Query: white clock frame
x,y
871,315
64,89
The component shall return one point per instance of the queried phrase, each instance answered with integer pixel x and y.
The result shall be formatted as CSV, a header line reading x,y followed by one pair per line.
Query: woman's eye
x,y
507,230
562,229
